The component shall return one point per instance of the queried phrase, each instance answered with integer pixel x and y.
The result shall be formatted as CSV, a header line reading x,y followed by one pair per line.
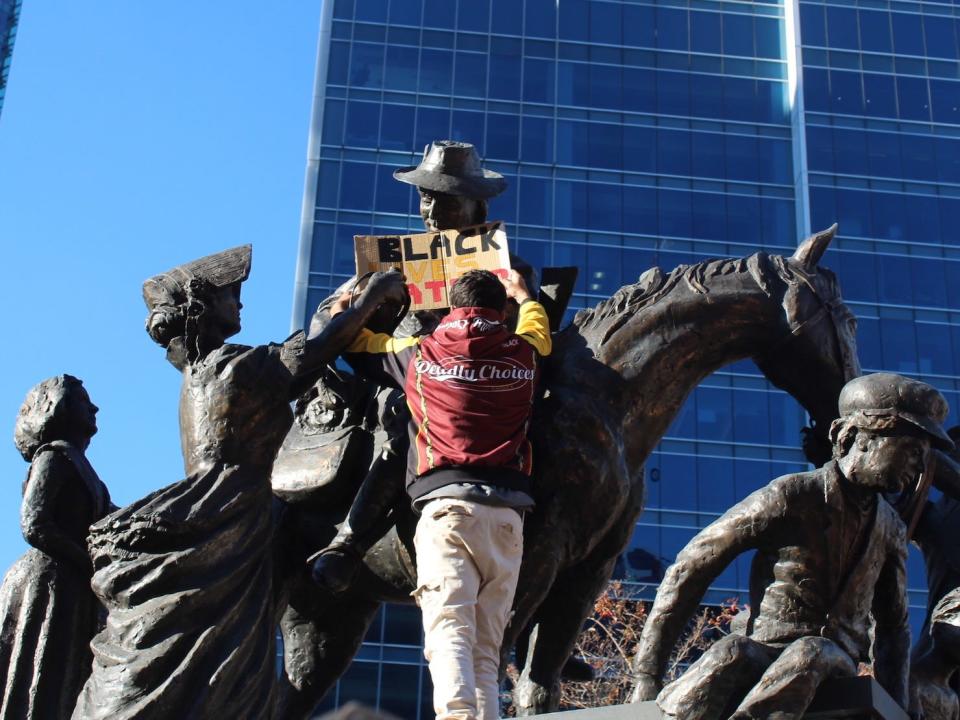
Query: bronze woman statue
x,y
187,573
48,613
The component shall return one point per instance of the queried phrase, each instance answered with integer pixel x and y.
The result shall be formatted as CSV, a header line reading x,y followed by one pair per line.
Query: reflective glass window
x,y
869,347
875,31
813,24
507,16
573,84
359,682
777,222
673,152
846,95
820,148
503,136
605,87
946,101
884,154
673,93
769,35
786,419
328,184
750,417
857,273
842,27
639,216
921,219
541,18
816,89
948,159
673,211
603,202
742,214
671,28
773,105
436,71
343,259
776,160
603,268
880,95
737,34
439,13
917,157
573,143
568,254
574,20
366,65
850,152
536,201
639,90
934,351
641,26
471,74
823,208
949,212
715,494
536,143
570,207
912,98
504,77
951,270
338,63
887,216
710,218
853,212
504,207
363,124
472,15
705,32
894,280
929,282
392,196
401,67
538,80
395,684
372,10
898,340
940,38
467,126
741,157
714,414
606,146
907,34
343,9
321,250
605,22
707,155
677,474
333,122
739,98
356,185
432,124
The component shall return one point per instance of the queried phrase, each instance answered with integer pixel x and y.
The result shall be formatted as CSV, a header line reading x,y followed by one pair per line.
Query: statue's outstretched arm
x,y
697,565
316,352
891,644
37,519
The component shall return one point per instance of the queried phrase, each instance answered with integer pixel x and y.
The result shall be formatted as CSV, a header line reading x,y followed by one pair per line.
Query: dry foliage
x,y
608,643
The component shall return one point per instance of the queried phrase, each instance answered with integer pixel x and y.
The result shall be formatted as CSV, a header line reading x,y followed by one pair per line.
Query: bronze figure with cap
x,y
830,556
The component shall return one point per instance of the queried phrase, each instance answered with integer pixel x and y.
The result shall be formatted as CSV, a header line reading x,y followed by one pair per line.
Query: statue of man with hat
x,y
827,583
454,190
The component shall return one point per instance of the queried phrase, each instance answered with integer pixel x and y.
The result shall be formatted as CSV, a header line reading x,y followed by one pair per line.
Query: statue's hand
x,y
388,287
647,687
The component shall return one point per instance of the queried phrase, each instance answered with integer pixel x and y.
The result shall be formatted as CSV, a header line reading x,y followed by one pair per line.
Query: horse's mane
x,y
609,315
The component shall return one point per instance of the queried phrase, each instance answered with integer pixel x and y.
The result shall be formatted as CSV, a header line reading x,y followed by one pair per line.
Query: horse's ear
x,y
813,248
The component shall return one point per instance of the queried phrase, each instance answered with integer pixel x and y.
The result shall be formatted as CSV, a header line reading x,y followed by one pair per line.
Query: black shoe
x,y
335,569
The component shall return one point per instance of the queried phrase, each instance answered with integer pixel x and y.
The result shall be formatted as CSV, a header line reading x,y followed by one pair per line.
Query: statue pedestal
x,y
859,698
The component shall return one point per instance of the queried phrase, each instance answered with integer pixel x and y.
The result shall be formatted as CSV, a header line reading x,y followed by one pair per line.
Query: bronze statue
x,y
48,614
617,378
933,672
830,555
187,573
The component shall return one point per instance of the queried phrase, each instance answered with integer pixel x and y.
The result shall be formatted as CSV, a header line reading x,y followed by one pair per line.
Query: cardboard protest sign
x,y
432,261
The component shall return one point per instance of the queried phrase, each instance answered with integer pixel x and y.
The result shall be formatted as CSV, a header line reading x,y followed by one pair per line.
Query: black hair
x,y
478,288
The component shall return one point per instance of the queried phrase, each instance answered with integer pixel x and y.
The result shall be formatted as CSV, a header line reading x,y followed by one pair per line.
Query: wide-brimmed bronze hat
x,y
454,168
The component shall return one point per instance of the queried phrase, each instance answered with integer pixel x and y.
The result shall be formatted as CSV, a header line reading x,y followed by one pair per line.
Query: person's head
x,y
453,188
886,427
56,409
478,288
196,306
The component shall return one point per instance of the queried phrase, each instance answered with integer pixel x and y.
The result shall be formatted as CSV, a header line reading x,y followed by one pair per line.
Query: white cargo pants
x,y
468,560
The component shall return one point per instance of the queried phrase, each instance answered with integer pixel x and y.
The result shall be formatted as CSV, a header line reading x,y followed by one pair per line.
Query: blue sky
x,y
135,136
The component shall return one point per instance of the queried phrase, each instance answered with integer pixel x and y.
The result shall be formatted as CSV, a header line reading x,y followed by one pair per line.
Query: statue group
x,y
295,518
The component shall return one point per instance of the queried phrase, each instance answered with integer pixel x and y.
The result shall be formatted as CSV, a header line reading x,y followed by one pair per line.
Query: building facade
x,y
637,133
9,16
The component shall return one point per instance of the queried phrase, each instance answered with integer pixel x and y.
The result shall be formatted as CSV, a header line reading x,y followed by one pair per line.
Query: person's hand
x,y
515,286
647,687
388,286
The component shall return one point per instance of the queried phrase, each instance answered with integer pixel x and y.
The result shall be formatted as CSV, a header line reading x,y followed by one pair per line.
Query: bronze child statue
x,y
48,613
830,554
187,573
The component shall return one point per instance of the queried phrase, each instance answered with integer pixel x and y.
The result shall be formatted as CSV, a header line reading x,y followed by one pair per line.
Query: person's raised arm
x,y
532,322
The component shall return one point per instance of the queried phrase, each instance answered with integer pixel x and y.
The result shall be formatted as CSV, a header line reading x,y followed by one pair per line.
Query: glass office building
x,y
9,16
658,132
